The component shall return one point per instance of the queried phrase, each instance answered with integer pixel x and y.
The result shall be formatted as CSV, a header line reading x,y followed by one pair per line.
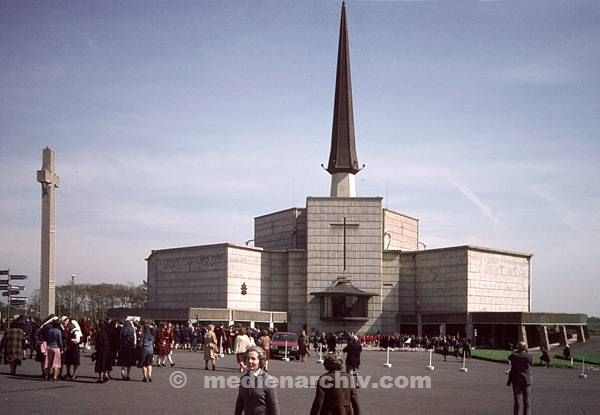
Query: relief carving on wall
x,y
187,264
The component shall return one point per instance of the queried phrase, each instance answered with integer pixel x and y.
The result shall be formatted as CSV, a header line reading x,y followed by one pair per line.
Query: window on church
x,y
341,307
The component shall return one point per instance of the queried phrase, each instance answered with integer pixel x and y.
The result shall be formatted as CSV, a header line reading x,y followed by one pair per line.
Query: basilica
x,y
344,262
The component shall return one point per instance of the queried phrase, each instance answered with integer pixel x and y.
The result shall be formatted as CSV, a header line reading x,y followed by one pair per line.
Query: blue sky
x,y
175,123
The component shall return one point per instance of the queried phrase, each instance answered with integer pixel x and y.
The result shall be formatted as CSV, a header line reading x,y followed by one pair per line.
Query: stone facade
x,y
325,251
285,229
245,266
459,280
498,281
212,276
441,285
382,259
190,277
401,232
297,296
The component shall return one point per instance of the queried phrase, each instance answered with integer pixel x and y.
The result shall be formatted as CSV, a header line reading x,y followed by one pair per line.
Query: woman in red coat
x,y
163,344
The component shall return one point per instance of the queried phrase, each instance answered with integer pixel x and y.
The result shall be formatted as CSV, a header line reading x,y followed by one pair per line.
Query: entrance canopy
x,y
344,302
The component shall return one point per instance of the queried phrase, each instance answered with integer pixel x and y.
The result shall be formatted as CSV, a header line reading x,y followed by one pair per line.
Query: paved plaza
x,y
482,390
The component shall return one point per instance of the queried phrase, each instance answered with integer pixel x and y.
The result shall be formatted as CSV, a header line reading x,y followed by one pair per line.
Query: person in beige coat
x,y
210,347
242,342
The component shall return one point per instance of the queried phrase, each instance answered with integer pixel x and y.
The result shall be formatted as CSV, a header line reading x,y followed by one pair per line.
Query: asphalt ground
x,y
482,390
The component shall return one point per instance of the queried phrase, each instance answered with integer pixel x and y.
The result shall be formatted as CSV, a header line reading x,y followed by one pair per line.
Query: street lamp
x,y
72,294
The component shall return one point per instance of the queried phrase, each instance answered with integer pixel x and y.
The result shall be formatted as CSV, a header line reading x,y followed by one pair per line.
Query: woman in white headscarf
x,y
72,356
42,344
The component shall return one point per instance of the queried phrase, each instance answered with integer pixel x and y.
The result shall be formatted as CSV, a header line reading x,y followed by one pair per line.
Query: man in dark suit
x,y
520,377
353,351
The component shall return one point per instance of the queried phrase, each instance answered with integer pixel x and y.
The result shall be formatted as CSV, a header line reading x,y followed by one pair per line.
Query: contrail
x,y
469,194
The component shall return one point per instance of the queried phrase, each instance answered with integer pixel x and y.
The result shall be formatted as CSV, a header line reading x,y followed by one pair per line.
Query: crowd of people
x,y
58,342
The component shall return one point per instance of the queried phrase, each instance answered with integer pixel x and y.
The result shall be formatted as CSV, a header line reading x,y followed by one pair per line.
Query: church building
x,y
345,262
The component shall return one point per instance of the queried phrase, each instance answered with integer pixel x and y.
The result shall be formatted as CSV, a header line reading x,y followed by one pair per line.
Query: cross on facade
x,y
344,225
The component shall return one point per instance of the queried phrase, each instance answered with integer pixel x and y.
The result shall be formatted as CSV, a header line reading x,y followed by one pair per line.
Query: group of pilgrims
x,y
58,342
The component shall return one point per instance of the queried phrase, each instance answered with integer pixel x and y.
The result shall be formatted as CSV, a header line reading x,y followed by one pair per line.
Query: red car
x,y
278,345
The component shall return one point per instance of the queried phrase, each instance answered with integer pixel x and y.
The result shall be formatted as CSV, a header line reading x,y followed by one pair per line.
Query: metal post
x,y
8,302
344,244
72,294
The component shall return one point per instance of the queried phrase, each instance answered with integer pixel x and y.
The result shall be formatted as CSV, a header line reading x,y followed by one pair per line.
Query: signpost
x,y
11,291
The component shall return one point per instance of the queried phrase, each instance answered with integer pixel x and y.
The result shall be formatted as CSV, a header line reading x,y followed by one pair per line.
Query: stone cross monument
x,y
49,181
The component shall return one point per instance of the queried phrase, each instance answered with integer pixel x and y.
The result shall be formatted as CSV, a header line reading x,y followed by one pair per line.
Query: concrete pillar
x,y
523,334
562,337
49,181
419,325
544,342
580,335
442,329
252,324
469,327
493,340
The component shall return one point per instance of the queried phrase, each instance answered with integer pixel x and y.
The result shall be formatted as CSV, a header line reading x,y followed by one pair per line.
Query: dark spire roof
x,y
342,157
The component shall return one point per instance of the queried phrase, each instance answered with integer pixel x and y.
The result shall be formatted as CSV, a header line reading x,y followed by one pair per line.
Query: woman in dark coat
x,y
353,351
303,346
104,356
335,393
127,348
257,394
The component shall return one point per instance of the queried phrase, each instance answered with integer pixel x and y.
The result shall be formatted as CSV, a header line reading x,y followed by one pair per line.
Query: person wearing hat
x,y
336,393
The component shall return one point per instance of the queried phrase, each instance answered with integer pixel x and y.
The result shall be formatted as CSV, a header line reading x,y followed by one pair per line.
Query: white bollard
x,y
387,361
583,375
464,366
571,361
430,356
221,354
320,354
285,356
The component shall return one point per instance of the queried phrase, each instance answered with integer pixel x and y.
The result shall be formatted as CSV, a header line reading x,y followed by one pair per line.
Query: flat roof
x,y
190,248
279,211
470,247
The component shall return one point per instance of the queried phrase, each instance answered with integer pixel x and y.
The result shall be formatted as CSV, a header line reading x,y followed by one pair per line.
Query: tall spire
x,y
343,162
342,157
